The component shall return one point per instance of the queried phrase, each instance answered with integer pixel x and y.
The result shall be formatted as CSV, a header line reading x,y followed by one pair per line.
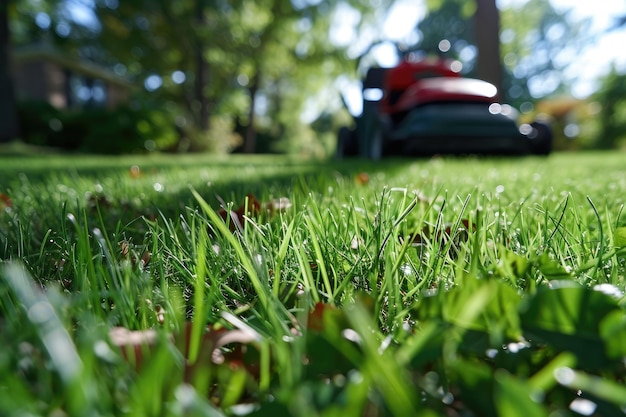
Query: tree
x,y
285,51
612,117
232,53
211,63
450,22
162,45
202,70
538,43
8,110
470,29
473,25
487,33
533,43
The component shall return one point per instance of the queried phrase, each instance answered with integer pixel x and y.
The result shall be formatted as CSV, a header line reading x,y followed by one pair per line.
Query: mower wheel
x,y
375,151
347,143
541,138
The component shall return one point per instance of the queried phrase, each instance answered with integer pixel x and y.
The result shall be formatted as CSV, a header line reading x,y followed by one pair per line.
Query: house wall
x,y
39,80
46,76
30,81
57,85
116,95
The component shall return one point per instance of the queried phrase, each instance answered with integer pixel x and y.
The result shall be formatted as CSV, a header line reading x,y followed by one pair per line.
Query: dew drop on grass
x,y
491,353
564,375
430,292
448,398
185,394
40,312
355,376
339,380
537,396
351,335
583,406
431,378
242,409
158,187
609,289
103,351
384,345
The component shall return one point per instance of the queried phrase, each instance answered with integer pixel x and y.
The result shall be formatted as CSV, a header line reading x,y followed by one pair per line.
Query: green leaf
x,y
512,397
544,379
433,4
619,237
468,8
476,384
607,390
550,268
425,346
568,318
568,308
476,304
613,331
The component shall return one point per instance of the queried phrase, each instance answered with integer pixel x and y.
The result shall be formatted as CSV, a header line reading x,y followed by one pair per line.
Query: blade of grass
x,y
282,253
54,336
199,303
217,222
600,251
319,259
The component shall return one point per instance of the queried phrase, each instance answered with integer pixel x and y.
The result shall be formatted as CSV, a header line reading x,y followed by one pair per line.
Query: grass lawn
x,y
268,286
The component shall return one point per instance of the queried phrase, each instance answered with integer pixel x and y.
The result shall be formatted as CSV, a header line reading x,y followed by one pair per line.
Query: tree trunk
x,y
249,142
202,74
487,30
8,110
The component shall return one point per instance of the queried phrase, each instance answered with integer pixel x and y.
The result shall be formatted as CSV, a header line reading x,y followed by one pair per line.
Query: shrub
x,y
612,117
97,130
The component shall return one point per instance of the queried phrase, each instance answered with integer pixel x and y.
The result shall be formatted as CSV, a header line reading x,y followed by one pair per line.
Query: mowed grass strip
x,y
198,285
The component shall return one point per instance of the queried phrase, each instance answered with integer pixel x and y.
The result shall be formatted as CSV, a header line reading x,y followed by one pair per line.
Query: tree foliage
x,y
233,65
450,22
612,118
216,66
238,59
536,42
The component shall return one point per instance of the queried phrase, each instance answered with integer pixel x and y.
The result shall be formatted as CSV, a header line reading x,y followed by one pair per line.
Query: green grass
x,y
444,286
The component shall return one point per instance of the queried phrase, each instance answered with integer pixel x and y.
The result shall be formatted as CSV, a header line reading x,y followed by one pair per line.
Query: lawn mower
x,y
425,107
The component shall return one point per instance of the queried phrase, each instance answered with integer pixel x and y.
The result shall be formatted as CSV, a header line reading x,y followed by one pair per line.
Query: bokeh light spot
x,y
178,77
153,82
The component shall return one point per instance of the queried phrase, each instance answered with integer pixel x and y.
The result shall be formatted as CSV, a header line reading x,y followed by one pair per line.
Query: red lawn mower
x,y
425,107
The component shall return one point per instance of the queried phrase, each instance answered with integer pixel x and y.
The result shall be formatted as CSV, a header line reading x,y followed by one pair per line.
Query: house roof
x,y
75,64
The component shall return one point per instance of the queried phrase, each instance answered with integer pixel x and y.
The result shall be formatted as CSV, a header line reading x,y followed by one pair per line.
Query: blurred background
x,y
281,76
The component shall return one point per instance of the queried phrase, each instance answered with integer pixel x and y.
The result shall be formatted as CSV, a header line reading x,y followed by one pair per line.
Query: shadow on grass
x,y
105,195
112,194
